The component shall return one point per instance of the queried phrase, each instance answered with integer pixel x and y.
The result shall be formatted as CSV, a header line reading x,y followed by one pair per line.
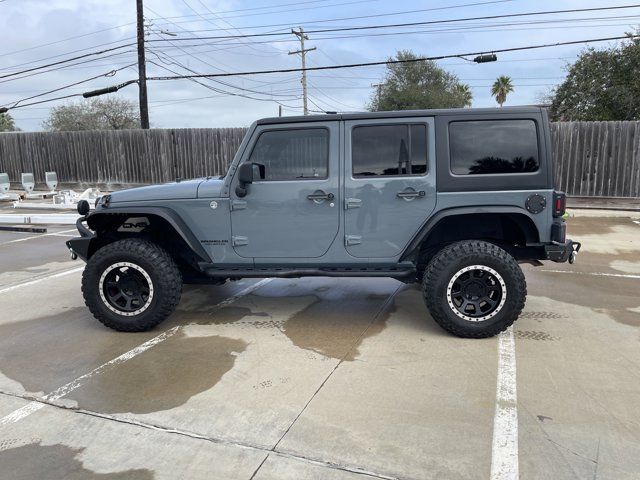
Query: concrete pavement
x,y
320,378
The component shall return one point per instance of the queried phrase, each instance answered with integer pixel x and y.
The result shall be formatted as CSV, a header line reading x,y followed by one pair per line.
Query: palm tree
x,y
463,91
501,88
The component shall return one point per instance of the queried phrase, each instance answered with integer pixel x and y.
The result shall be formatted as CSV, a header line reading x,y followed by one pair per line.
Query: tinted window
x,y
500,146
389,150
293,154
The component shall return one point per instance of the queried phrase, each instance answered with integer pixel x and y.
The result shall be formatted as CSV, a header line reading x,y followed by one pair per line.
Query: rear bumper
x,y
562,252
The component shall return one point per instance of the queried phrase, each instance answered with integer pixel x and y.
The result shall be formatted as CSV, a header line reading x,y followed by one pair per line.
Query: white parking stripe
x,y
52,234
41,279
596,274
504,449
34,406
74,384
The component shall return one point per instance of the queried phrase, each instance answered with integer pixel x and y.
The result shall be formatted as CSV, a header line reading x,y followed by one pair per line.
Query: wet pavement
x,y
320,378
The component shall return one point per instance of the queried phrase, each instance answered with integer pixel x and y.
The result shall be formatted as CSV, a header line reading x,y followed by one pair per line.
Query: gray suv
x,y
454,199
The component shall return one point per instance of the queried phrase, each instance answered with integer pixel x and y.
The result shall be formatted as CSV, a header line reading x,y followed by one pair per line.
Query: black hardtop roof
x,y
400,114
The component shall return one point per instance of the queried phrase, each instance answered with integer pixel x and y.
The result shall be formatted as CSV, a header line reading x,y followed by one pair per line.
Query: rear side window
x,y
388,150
295,154
493,146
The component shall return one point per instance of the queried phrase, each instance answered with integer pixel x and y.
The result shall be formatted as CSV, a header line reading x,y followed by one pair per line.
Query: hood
x,y
186,189
211,188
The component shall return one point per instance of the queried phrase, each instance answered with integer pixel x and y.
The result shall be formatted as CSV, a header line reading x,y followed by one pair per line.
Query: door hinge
x,y
239,241
352,203
352,240
238,204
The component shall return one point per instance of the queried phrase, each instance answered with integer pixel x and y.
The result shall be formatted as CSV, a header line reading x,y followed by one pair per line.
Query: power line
x,y
264,8
467,29
191,54
32,74
48,44
388,14
222,19
412,24
391,62
235,94
217,81
64,54
3,110
355,65
100,52
64,87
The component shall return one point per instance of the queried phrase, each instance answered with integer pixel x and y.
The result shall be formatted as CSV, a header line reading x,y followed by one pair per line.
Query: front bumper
x,y
562,252
79,246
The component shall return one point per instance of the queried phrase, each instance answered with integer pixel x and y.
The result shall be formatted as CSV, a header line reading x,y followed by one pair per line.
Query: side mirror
x,y
247,172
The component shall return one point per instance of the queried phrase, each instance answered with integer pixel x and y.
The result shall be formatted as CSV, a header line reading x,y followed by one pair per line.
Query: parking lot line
x,y
596,274
504,448
69,387
41,279
52,234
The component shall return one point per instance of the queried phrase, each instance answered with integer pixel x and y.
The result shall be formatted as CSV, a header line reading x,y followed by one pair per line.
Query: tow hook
x,y
74,255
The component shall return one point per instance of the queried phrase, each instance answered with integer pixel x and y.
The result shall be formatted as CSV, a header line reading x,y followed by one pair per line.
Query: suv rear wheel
x,y
131,285
474,289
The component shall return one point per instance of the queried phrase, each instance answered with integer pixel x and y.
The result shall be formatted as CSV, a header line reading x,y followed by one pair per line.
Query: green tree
x,y
97,114
7,124
464,91
601,85
417,85
501,88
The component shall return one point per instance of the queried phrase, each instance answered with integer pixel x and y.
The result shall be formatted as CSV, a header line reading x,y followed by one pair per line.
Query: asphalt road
x,y
323,378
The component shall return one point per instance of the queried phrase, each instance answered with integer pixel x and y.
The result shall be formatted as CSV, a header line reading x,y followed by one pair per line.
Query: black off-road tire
x,y
447,263
162,270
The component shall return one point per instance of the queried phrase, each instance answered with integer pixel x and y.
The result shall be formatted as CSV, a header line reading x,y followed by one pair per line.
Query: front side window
x,y
388,150
493,146
293,154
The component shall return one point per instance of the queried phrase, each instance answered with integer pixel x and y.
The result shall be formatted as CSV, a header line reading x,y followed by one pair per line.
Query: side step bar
x,y
399,273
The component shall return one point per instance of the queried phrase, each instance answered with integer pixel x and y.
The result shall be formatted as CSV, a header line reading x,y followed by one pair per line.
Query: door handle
x,y
410,194
321,196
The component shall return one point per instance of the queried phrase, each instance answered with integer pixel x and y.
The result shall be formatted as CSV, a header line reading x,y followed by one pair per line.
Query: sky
x,y
38,32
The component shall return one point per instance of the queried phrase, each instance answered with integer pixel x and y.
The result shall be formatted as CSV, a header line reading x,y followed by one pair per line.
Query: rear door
x,y
389,185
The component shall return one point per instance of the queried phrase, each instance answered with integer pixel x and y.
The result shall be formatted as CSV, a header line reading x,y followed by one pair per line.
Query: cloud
x,y
33,30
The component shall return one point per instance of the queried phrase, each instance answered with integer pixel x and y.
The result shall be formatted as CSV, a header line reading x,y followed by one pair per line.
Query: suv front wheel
x,y
474,289
131,285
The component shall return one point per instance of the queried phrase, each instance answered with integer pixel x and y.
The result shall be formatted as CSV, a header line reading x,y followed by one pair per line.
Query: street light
x,y
486,58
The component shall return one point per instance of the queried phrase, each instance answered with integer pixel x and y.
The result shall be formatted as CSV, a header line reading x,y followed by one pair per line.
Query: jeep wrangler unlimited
x,y
454,199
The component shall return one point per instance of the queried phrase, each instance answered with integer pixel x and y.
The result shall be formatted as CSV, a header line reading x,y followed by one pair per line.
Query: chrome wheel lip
x,y
139,269
491,314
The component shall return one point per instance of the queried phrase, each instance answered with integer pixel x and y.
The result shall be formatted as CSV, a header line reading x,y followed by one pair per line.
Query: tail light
x,y
559,204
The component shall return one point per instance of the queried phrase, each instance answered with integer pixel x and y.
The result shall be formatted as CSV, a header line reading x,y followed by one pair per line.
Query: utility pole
x,y
301,35
142,69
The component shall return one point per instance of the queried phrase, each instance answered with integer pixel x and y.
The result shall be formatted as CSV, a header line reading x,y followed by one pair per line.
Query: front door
x,y
293,212
389,186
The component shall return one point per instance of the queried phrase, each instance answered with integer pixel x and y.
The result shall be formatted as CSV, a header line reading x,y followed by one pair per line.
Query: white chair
x,y
51,179
5,185
28,183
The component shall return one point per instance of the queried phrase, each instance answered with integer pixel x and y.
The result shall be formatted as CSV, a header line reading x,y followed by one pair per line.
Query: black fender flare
x,y
427,227
167,214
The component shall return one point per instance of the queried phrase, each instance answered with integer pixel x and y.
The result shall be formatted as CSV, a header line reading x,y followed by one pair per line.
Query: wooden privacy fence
x,y
591,158
597,159
120,157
